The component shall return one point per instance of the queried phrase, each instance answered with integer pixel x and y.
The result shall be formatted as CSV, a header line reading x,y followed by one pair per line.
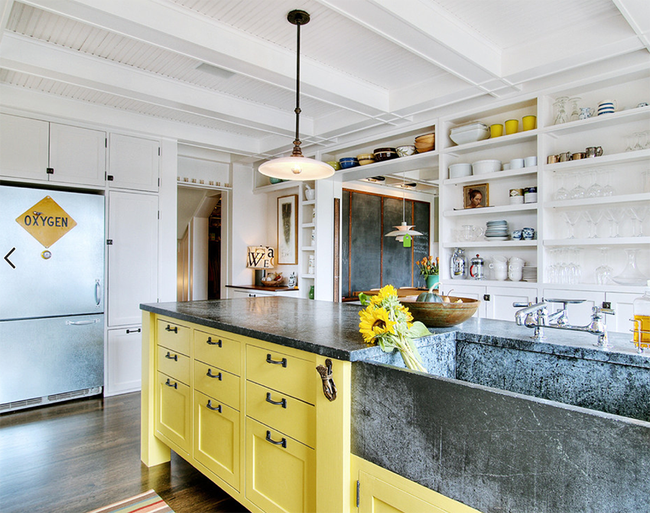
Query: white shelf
x,y
492,244
595,122
308,225
393,166
308,248
504,140
592,287
308,276
491,283
609,200
621,242
308,202
276,187
488,211
498,175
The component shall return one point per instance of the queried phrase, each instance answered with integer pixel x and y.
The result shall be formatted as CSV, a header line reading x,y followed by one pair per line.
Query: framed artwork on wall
x,y
477,195
287,230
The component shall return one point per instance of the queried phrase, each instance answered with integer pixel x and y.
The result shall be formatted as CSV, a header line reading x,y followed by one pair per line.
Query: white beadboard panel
x,y
509,23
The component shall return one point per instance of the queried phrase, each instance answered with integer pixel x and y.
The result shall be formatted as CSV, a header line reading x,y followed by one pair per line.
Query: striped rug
x,y
147,502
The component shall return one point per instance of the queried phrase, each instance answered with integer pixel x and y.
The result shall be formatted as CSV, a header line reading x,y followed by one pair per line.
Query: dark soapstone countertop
x,y
332,329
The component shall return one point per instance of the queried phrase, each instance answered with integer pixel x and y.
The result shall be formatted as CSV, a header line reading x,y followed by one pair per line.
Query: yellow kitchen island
x,y
232,387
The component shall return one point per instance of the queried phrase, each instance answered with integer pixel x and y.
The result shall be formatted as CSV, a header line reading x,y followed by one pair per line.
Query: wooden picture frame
x,y
469,193
287,253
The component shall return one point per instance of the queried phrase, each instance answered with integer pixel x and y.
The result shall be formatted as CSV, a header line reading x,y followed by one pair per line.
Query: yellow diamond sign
x,y
46,221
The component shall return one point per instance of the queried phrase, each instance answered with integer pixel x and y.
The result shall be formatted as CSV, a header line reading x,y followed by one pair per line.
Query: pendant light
x,y
404,232
297,167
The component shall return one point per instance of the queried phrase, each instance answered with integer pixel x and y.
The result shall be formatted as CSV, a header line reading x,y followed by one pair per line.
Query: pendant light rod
x,y
297,18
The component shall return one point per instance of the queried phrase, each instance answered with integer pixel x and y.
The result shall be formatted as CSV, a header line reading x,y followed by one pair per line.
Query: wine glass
x,y
595,189
604,271
572,217
560,110
607,189
561,193
578,191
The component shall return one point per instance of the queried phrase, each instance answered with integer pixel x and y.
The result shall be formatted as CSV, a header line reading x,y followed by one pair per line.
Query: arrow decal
x,y
7,258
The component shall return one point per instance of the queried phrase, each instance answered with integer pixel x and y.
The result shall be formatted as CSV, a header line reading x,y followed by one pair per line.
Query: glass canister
x,y
641,320
477,268
458,267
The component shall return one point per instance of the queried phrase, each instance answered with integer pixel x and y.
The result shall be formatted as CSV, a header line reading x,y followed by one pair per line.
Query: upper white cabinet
x,y
24,144
133,163
132,255
77,155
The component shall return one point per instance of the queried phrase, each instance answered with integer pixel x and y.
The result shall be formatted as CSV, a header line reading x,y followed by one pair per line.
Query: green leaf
x,y
364,298
419,330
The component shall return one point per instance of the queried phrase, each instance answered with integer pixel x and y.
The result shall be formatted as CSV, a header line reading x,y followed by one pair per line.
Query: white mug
x,y
517,163
515,272
530,161
499,270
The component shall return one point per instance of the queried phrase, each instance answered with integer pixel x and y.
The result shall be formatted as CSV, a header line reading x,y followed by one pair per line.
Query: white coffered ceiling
x,y
366,65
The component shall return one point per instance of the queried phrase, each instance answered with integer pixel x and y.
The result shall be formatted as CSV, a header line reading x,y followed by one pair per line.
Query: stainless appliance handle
x,y
98,290
82,323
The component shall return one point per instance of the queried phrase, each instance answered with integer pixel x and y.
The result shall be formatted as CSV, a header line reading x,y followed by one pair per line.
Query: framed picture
x,y
287,230
476,195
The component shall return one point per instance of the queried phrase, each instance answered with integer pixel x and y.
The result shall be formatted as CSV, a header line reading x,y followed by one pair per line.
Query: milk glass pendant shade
x,y
403,229
297,167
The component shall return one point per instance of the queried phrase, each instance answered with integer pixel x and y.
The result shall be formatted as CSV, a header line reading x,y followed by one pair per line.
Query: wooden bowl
x,y
275,283
441,315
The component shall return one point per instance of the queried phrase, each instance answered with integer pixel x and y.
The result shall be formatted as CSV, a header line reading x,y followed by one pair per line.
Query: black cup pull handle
x,y
282,402
210,375
212,343
210,407
282,362
170,384
282,442
174,329
170,356
138,330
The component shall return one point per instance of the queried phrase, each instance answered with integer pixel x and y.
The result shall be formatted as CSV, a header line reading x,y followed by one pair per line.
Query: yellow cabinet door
x,y
216,438
377,496
280,472
173,411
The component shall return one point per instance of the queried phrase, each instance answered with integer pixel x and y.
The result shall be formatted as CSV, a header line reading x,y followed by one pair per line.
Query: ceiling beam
x,y
5,9
431,33
180,30
637,15
19,53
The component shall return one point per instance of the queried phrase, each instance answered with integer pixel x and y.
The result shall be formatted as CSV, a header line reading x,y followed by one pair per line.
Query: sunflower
x,y
385,293
375,322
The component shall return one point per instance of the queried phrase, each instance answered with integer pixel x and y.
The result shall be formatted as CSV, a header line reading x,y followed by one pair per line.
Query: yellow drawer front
x,y
213,349
216,438
217,383
174,364
286,414
174,336
173,415
284,373
280,472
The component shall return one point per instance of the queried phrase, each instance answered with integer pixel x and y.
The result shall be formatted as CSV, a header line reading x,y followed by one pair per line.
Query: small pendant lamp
x,y
403,229
297,167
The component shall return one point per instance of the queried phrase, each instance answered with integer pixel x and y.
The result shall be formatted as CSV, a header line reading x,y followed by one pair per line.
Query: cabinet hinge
x,y
158,182
607,304
486,297
159,151
49,170
159,214
109,242
105,142
358,492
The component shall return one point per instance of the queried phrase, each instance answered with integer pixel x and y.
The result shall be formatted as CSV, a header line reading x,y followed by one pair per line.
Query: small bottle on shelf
x,y
311,292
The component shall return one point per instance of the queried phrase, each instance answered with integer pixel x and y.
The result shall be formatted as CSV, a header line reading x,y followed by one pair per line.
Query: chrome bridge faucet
x,y
536,316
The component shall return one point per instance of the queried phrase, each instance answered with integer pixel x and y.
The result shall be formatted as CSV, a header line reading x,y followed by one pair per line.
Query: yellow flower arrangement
x,y
388,323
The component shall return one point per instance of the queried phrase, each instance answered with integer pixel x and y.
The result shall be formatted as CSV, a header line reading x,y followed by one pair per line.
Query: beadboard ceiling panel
x,y
364,63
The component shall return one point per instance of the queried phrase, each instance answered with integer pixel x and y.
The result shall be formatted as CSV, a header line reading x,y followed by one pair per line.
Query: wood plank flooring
x,y
77,456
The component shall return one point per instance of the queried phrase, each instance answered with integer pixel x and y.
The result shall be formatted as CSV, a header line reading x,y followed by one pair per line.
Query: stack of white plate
x,y
497,230
530,273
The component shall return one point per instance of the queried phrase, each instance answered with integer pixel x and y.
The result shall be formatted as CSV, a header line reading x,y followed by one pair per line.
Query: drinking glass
x,y
572,217
615,215
638,214
595,189
607,189
593,217
578,191
604,271
561,193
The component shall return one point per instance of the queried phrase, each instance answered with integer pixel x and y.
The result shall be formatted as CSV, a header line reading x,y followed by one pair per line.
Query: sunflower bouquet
x,y
388,323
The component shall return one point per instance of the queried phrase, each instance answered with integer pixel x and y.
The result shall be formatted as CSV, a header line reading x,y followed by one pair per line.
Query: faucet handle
x,y
521,305
597,310
566,301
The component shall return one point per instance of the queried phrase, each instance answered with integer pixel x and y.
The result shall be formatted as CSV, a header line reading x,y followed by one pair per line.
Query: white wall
x,y
167,242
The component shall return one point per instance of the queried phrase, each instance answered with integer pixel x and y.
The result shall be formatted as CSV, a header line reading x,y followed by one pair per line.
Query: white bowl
x,y
468,136
460,170
481,167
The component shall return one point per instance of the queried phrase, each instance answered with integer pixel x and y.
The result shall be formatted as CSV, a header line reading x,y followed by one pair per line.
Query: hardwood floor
x,y
77,456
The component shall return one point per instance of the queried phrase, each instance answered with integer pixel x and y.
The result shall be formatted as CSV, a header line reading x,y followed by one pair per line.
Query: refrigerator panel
x,y
52,250
42,357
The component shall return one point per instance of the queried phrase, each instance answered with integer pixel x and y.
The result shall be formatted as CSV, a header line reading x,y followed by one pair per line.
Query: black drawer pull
x,y
210,375
217,343
282,362
170,356
282,442
138,330
174,329
170,384
282,403
210,407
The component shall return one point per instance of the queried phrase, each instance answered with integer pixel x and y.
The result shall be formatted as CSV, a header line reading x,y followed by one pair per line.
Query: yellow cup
x,y
512,126
529,122
496,130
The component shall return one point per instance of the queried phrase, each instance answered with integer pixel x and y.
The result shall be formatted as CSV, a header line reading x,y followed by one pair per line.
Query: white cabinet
x,y
24,146
496,300
123,360
621,303
251,292
132,255
133,163
77,155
